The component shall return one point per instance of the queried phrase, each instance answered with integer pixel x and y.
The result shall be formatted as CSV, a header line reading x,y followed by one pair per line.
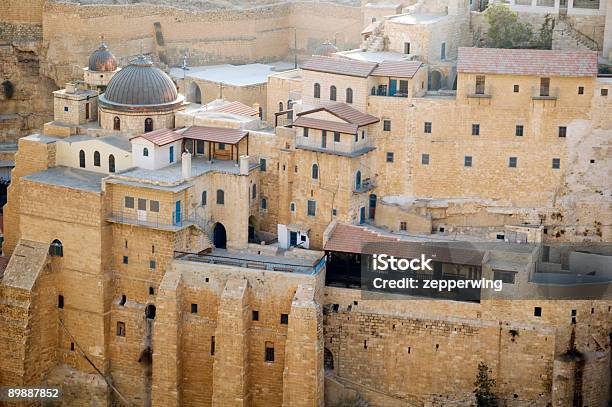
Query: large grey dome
x,y
102,60
141,86
326,49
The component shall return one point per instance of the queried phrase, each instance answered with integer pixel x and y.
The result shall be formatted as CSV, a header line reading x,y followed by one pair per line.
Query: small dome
x,y
102,60
326,49
138,85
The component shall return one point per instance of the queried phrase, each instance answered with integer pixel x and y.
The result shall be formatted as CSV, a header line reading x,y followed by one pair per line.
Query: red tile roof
x,y
352,239
536,62
236,108
329,125
215,134
398,69
346,113
160,137
340,66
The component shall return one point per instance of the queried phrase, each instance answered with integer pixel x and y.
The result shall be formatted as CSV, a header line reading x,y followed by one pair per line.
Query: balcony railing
x,y
156,220
331,147
539,93
366,185
477,91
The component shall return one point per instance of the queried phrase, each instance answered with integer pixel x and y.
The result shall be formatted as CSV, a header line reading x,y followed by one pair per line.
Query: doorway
x,y
372,213
219,236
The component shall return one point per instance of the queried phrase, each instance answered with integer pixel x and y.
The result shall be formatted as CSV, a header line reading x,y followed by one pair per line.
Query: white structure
x,y
156,149
108,154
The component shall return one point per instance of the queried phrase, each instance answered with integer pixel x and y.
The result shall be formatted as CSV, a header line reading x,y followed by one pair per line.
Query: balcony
x,y
366,185
155,220
479,92
331,147
543,93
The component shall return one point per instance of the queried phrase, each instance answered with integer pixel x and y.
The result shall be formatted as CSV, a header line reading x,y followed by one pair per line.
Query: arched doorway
x,y
195,93
219,236
150,311
372,213
435,80
252,229
328,359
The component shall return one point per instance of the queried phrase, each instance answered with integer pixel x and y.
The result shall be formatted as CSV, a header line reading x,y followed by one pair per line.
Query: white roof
x,y
417,18
235,75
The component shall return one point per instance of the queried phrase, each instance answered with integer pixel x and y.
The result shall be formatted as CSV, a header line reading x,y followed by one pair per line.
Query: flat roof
x,y
374,56
68,177
234,75
417,18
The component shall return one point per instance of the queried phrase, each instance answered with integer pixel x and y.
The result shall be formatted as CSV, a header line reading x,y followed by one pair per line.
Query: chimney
x,y
244,165
186,165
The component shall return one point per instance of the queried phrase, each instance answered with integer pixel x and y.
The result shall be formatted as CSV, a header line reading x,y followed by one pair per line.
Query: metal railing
x,y
484,91
366,185
539,93
157,219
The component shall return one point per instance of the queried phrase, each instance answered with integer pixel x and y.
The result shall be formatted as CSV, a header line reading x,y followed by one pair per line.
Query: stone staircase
x,y
567,36
376,42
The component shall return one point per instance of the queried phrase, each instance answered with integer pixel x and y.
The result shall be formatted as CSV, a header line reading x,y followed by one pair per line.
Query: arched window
x,y
315,171
96,159
82,159
289,104
358,180
349,95
373,91
332,92
220,197
264,203
261,112
292,206
56,249
203,198
254,195
116,123
317,91
280,106
111,163
148,124
145,152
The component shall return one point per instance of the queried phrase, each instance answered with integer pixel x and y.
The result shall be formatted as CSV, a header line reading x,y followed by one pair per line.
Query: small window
x,y
116,123
562,131
269,356
292,206
406,48
512,162
212,346
65,108
312,207
203,199
125,259
56,249
142,204
336,137
581,90
60,301
389,157
443,51
120,328
264,203
544,86
363,134
111,163
317,91
151,291
82,159
556,163
349,95
519,130
305,133
129,202
332,93
403,226
280,106
255,315
427,128
96,158
480,85
152,264
194,308
334,212
425,159
356,138
154,206
220,197
315,171
516,88
467,161
387,125
475,129
506,277
262,164
145,152
603,92
123,300
537,311
148,125
284,319
221,146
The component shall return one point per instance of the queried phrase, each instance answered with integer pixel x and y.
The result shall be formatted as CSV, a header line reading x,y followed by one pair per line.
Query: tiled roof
x,y
352,239
398,69
236,108
346,113
215,134
161,137
340,66
329,125
535,62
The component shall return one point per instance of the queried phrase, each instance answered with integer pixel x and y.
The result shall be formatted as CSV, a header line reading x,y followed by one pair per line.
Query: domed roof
x,y
102,60
139,86
326,49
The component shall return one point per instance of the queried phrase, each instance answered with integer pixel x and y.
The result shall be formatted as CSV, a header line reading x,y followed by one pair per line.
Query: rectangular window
x,y
312,207
425,159
537,311
389,157
334,212
480,85
556,163
356,138
194,308
562,131
65,108
387,125
403,88
171,154
284,319
154,206
512,162
604,92
60,301
467,161
363,134
120,328
305,132
125,259
581,90
262,164
255,315
443,51
544,86
336,137
212,346
519,130
221,146
427,128
507,277
200,147
142,204
475,129
406,48
516,88
403,226
129,202
152,264
269,352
